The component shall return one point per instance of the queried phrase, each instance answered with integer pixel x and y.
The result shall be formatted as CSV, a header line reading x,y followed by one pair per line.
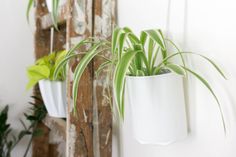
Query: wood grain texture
x,y
56,125
89,130
81,127
46,20
41,145
92,128
104,22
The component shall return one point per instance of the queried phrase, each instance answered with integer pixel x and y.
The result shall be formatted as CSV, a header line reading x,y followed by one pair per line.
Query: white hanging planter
x,y
49,4
158,113
54,97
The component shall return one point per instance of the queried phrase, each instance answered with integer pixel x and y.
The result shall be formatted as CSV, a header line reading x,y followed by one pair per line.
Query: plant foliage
x,y
54,14
133,55
44,69
8,141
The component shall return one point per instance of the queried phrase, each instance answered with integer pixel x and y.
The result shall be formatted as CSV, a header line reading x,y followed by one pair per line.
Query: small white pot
x,y
49,4
54,97
158,113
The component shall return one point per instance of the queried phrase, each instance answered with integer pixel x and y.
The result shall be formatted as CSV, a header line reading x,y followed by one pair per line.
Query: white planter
x,y
54,97
49,4
158,113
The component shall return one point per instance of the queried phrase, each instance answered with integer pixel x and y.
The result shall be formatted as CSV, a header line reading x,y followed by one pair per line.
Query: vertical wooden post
x,y
81,125
41,145
89,131
104,21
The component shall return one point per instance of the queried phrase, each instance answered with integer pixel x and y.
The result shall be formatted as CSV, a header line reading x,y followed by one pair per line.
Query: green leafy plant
x,y
54,14
44,69
143,55
8,141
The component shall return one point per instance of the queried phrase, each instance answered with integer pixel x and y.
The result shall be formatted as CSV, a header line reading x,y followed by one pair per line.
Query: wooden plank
x,y
46,20
56,125
81,128
41,146
104,23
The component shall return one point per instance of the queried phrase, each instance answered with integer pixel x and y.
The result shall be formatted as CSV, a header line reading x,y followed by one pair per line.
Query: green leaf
x,y
176,47
79,45
102,66
154,58
121,42
191,53
38,132
23,133
29,6
36,73
175,68
55,6
62,64
214,64
115,39
81,67
210,89
155,36
119,79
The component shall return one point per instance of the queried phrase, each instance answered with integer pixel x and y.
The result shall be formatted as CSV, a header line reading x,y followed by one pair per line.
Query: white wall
x,y
16,53
206,27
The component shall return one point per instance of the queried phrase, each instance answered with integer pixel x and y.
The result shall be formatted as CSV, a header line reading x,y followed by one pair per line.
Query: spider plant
x,y
143,55
54,14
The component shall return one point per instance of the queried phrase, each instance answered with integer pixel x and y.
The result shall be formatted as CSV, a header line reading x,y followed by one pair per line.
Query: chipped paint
x,y
72,140
56,138
96,142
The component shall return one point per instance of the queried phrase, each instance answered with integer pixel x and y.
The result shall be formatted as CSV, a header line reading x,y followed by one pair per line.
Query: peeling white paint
x,y
56,138
106,18
85,116
79,17
107,137
72,140
96,142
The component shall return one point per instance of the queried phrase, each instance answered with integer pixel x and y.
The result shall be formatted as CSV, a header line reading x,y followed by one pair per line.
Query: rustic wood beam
x,y
81,124
41,146
56,125
104,22
46,20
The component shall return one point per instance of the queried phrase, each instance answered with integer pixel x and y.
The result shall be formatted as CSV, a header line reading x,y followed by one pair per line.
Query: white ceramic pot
x,y
54,97
49,4
158,113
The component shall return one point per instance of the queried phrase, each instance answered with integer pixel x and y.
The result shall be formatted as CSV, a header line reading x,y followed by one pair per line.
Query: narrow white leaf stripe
x,y
119,79
81,67
212,92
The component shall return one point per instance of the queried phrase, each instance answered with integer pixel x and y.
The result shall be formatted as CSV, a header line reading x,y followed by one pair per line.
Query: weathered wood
x,y
41,146
81,128
46,20
89,131
56,125
41,143
104,22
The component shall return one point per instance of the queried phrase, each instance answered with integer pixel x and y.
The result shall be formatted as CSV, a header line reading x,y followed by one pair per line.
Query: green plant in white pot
x,y
154,81
53,90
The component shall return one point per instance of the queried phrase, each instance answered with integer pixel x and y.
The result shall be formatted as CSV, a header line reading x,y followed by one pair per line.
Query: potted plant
x,y
53,90
53,7
8,141
154,81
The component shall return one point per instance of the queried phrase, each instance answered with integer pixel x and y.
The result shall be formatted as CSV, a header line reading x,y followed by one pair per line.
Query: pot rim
x,y
154,76
47,80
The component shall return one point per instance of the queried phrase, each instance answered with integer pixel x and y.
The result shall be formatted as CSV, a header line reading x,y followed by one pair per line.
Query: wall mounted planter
x,y
158,113
49,4
54,97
